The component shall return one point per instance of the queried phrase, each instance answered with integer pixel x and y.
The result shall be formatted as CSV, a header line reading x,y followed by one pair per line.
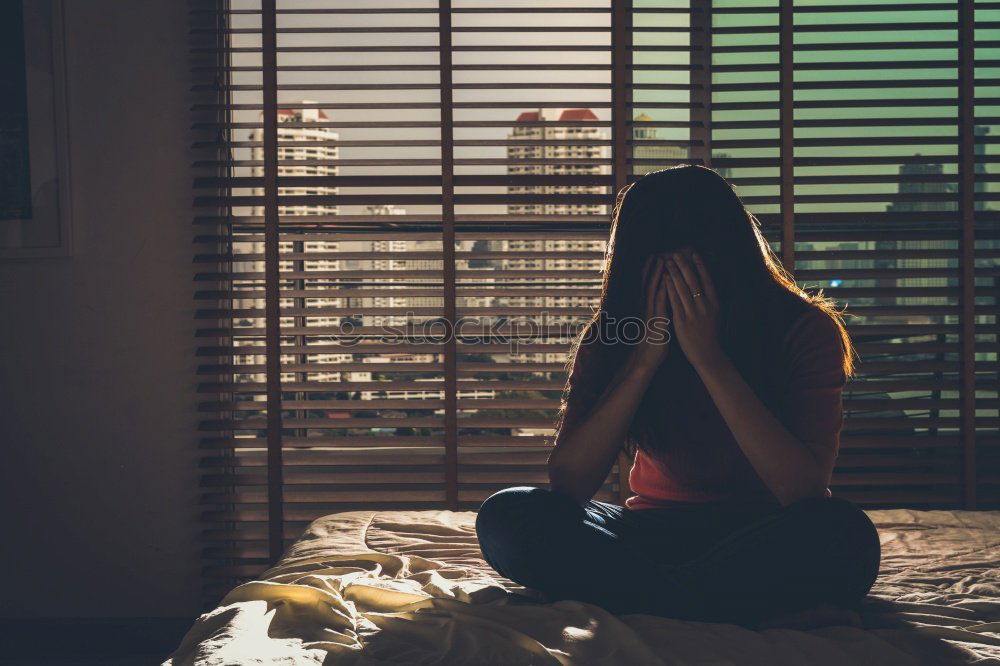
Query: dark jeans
x,y
721,562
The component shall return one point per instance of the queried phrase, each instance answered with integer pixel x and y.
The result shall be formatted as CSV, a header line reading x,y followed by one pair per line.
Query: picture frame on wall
x,y
35,210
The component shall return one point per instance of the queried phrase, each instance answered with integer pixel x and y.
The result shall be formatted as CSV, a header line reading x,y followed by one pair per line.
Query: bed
x,y
411,587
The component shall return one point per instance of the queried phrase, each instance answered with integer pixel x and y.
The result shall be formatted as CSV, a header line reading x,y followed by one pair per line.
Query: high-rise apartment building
x,y
389,255
307,147
652,153
922,189
576,149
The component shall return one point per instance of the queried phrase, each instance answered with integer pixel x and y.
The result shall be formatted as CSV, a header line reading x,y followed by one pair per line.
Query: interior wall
x,y
98,417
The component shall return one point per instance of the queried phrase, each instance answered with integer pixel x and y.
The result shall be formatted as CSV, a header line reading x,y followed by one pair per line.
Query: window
x,y
450,166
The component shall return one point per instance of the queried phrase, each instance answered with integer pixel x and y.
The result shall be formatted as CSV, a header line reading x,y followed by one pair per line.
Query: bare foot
x,y
823,615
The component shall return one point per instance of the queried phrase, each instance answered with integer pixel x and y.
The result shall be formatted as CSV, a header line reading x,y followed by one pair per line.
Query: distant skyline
x,y
557,87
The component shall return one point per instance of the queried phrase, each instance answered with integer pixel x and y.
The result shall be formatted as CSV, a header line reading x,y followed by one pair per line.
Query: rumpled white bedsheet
x,y
411,587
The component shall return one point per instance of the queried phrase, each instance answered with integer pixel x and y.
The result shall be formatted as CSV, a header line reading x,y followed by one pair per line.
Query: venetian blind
x,y
402,211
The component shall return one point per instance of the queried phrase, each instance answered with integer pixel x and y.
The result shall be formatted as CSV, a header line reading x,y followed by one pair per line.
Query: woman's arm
x,y
586,445
790,467
583,455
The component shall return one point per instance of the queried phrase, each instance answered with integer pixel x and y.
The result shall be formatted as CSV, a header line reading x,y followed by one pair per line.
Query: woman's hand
x,y
694,306
585,452
787,465
650,352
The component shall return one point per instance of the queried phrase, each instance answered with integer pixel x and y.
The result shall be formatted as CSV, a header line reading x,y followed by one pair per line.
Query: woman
x,y
723,379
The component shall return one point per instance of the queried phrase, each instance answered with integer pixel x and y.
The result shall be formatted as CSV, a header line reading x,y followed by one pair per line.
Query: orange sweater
x,y
710,466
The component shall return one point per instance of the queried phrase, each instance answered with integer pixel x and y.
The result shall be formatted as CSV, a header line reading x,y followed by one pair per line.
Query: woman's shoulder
x,y
812,323
581,358
814,337
590,341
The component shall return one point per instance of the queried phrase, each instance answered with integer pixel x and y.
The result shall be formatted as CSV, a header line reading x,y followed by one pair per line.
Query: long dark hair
x,y
692,206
